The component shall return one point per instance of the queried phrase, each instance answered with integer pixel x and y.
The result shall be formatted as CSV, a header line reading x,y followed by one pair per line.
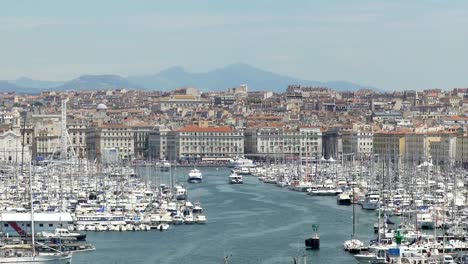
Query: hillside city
x,y
186,125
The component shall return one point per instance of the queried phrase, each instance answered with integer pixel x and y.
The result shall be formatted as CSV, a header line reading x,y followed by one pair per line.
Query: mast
x,y
32,212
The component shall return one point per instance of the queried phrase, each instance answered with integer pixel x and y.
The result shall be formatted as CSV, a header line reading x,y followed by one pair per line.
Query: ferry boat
x,y
234,178
195,176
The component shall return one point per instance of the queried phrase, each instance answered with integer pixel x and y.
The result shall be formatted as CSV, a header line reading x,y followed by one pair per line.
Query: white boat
x,y
188,219
195,176
234,178
24,254
164,165
200,219
371,202
177,219
240,162
343,199
180,192
242,170
65,233
425,221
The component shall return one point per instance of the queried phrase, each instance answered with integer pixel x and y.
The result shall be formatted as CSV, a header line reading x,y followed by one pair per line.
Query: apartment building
x,y
279,142
358,142
110,138
198,143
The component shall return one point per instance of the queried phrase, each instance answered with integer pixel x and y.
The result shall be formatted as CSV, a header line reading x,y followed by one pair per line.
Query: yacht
x,y
371,202
234,178
181,193
200,219
241,162
195,176
343,199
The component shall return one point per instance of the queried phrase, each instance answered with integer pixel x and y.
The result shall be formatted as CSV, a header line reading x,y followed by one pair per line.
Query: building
x,y
199,143
282,143
182,101
389,145
358,142
11,148
19,224
141,139
161,144
110,138
332,146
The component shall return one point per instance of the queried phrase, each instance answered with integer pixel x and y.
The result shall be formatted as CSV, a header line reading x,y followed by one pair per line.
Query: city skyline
x,y
392,45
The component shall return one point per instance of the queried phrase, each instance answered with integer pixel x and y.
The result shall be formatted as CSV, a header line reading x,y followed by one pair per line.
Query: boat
x,y
26,253
181,193
371,202
242,171
234,178
200,219
195,176
240,162
343,199
164,165
64,233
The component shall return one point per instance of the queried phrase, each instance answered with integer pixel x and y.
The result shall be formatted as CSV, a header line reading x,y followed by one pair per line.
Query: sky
x,y
392,44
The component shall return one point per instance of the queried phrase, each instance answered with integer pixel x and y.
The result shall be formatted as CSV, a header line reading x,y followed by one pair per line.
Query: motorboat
x,y
200,219
240,162
195,176
343,199
64,233
181,193
371,202
234,178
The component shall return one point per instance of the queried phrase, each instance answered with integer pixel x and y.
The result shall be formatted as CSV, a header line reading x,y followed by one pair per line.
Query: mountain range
x,y
215,80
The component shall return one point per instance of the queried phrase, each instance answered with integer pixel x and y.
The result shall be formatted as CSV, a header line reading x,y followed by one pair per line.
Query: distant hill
x,y
218,79
96,82
6,86
231,76
27,82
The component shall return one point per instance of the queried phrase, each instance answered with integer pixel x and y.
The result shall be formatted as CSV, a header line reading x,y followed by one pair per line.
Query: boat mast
x,y
32,212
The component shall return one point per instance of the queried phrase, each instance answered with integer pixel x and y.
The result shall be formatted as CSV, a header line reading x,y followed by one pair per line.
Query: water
x,y
251,223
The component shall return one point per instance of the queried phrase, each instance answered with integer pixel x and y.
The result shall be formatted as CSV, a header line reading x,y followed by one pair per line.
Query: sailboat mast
x,y
32,211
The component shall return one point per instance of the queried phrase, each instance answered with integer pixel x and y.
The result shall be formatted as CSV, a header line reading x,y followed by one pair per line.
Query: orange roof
x,y
192,128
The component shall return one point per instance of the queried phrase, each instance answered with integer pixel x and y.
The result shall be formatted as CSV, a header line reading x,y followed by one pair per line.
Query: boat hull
x,y
52,259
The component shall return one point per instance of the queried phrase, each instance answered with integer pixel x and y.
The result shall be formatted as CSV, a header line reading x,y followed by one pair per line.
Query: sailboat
x,y
353,245
25,253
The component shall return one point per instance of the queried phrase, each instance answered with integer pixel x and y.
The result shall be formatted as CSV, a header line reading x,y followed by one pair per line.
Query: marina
x,y
250,223
342,209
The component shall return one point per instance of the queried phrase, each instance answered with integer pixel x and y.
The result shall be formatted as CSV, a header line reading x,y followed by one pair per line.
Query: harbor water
x,y
248,223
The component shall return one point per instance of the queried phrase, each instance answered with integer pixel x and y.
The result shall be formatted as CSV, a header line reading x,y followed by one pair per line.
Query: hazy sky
x,y
388,44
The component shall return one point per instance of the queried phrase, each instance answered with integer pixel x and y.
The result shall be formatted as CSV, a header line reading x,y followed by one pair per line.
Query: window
x,y
41,225
51,225
5,225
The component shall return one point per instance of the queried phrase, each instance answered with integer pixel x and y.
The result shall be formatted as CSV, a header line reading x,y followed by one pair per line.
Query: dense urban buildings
x,y
187,125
